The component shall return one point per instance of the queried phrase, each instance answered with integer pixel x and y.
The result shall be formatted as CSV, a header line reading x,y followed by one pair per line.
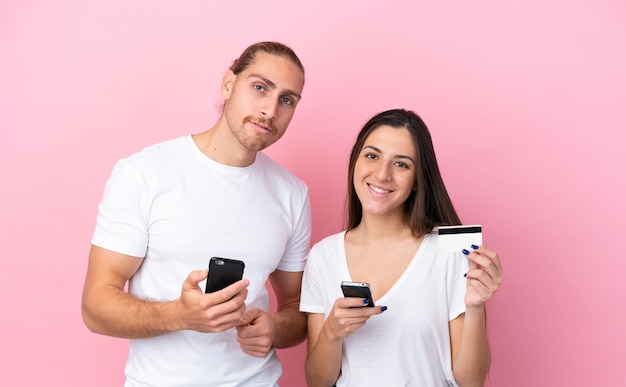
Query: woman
x,y
433,333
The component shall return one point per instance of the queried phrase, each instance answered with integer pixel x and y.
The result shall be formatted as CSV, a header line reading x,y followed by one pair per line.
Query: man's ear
x,y
228,82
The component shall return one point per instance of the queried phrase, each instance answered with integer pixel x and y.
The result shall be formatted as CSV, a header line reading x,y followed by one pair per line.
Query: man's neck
x,y
220,145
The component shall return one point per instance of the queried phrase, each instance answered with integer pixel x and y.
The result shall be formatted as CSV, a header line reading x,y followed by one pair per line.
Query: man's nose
x,y
268,110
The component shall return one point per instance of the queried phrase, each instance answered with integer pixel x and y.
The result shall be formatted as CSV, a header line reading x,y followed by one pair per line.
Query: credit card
x,y
457,238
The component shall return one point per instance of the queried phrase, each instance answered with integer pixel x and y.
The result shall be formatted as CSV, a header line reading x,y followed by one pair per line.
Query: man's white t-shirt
x,y
178,208
409,343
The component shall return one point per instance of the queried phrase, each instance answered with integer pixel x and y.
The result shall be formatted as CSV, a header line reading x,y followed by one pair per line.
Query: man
x,y
169,208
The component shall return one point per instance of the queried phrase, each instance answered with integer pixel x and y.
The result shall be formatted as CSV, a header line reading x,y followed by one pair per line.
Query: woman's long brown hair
x,y
429,204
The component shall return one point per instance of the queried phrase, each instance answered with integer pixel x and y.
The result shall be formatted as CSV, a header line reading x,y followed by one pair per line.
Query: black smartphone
x,y
358,289
223,272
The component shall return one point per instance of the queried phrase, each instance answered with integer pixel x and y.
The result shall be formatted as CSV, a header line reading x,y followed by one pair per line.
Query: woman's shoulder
x,y
329,244
331,240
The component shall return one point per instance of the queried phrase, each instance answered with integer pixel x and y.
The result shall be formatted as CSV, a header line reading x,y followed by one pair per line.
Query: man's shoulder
x,y
154,159
278,171
163,147
162,152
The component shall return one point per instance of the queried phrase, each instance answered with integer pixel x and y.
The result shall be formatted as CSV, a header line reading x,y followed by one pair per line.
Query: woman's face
x,y
384,173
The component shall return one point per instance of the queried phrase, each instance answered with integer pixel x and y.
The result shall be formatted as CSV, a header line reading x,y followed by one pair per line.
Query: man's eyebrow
x,y
273,85
395,156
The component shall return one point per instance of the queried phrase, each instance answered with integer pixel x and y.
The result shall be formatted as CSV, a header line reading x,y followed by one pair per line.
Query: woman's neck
x,y
382,229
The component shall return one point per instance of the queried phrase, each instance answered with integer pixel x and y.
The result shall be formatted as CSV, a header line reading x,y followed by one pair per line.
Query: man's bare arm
x,y
107,309
290,323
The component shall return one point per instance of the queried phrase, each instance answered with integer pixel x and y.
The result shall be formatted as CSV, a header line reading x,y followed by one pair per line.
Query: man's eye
x,y
287,100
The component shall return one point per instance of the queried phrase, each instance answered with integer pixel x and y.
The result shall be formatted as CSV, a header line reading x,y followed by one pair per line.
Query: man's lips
x,y
263,124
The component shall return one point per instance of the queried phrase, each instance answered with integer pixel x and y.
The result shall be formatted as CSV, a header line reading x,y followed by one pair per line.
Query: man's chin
x,y
256,146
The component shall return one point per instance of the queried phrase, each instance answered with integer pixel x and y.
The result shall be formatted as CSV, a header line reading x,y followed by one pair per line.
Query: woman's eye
x,y
259,88
402,165
370,156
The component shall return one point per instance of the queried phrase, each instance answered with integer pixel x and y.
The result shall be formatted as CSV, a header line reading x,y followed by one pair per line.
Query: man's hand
x,y
212,312
255,332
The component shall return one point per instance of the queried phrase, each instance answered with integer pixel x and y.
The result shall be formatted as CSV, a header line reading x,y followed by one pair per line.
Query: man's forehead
x,y
262,58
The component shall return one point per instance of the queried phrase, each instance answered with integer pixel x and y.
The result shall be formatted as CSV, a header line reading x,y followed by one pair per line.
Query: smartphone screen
x,y
358,289
223,272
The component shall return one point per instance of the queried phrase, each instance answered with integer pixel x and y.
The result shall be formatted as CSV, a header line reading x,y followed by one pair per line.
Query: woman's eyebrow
x,y
395,156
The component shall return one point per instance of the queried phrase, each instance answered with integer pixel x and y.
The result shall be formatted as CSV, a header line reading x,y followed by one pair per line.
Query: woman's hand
x,y
484,276
348,315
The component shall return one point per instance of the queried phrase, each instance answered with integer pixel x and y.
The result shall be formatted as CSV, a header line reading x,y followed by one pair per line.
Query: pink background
x,y
525,100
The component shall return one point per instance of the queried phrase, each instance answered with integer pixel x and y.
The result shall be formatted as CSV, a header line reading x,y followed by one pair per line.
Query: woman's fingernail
x,y
474,247
465,275
383,308
465,252
365,301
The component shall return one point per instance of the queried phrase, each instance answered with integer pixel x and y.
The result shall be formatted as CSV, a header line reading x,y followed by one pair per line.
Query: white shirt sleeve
x,y
122,223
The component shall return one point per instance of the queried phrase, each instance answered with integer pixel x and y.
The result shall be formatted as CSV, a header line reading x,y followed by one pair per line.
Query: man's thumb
x,y
194,278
